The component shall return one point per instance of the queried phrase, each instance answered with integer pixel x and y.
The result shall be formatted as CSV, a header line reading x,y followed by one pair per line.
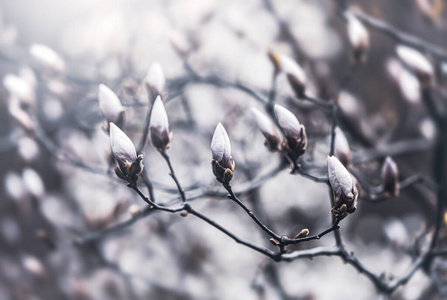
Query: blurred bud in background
x,y
295,74
417,63
47,58
20,88
155,81
268,129
408,84
179,44
390,177
342,150
358,38
111,106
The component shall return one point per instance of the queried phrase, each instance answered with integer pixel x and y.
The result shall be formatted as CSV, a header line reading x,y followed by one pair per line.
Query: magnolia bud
x,y
34,266
180,44
296,139
48,58
417,63
268,129
33,182
294,72
130,165
358,37
159,126
21,116
431,9
390,177
19,87
155,80
408,83
345,191
134,210
302,233
342,150
222,163
111,106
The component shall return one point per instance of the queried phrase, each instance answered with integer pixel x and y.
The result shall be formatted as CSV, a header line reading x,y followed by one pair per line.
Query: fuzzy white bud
x,y
295,74
110,105
122,147
268,129
221,147
288,122
343,186
155,80
159,126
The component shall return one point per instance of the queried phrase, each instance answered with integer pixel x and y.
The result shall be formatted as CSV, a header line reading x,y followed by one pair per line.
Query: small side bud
x,y
302,233
417,63
155,81
159,126
222,163
345,191
268,129
342,150
295,133
390,177
130,165
111,106
274,242
358,38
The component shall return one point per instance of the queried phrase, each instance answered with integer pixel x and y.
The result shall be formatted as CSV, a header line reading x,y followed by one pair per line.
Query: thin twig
x,y
401,36
233,197
179,187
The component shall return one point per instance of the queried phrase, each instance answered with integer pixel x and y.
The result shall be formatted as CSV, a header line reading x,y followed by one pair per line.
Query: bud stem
x,y
250,213
172,174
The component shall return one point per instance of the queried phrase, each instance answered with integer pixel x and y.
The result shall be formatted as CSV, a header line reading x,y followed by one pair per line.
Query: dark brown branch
x,y
286,241
179,187
394,149
233,197
250,245
400,36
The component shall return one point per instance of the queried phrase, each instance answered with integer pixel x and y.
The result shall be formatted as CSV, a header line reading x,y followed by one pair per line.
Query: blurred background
x,y
58,189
